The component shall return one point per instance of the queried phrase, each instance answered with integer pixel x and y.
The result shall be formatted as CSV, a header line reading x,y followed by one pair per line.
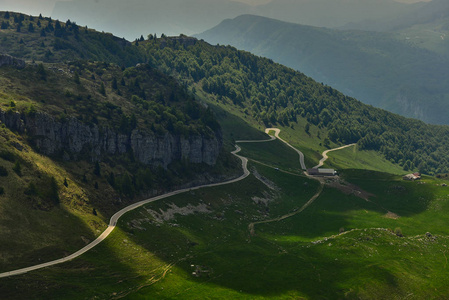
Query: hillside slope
x,y
267,93
82,139
381,69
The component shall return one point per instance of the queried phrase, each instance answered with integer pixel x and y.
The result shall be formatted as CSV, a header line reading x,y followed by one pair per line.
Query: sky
x,y
35,7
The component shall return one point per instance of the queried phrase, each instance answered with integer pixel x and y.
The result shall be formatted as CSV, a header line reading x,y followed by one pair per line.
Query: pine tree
x,y
307,128
54,195
97,169
17,168
76,78
31,27
114,83
41,71
102,89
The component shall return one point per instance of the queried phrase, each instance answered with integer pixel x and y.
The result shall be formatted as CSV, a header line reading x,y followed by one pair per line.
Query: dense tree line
x,y
62,41
274,94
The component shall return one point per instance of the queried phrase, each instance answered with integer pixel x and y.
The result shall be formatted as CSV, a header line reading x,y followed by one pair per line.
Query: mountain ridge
x,y
174,17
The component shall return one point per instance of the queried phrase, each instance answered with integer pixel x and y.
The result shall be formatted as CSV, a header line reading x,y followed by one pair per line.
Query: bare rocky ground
x,y
348,188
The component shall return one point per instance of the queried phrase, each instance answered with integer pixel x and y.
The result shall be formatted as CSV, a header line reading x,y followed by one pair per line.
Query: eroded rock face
x,y
7,60
53,137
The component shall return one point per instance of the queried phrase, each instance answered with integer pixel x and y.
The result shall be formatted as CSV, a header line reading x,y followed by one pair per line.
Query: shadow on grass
x,y
404,198
98,274
218,240
260,268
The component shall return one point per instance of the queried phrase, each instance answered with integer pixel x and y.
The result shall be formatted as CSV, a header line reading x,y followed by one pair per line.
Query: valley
x,y
169,168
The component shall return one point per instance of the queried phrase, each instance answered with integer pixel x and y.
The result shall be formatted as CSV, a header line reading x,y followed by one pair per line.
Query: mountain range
x,y
137,17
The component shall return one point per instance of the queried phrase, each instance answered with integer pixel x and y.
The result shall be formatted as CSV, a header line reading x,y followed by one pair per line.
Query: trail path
x,y
325,157
314,197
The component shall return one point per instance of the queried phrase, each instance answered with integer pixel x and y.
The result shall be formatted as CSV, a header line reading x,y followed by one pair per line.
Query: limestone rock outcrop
x,y
75,140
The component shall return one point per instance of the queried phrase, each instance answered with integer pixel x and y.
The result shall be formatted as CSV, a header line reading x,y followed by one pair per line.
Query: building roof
x,y
327,171
315,171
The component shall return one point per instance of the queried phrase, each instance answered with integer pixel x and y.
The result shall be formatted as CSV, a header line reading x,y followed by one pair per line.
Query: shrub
x,y
17,168
6,155
398,231
31,189
2,190
3,171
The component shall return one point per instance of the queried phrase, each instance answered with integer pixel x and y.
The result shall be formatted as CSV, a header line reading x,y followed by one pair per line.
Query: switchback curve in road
x,y
325,157
301,155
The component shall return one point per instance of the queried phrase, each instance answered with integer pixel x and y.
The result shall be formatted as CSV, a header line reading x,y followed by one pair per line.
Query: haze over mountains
x,y
132,18
422,13
389,70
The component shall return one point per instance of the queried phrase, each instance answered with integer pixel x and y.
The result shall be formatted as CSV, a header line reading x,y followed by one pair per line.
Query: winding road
x,y
114,219
325,157
117,215
301,155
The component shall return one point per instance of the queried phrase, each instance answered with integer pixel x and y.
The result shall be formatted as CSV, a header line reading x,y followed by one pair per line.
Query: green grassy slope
x,y
302,256
41,218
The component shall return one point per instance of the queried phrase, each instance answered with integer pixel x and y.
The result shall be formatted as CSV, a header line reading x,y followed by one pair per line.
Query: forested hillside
x,y
48,40
387,70
276,95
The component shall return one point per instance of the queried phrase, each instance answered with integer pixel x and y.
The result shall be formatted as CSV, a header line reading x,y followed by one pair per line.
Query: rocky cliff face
x,y
6,60
73,139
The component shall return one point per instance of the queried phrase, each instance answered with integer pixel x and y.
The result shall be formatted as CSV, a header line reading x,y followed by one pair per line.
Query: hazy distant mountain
x,y
432,12
381,69
331,13
132,18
